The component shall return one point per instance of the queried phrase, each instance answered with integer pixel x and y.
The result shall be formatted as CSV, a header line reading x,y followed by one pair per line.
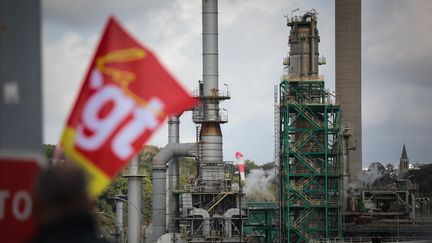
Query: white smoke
x,y
257,185
353,190
370,176
369,205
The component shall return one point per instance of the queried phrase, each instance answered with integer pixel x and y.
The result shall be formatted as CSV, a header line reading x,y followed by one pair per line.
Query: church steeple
x,y
404,153
404,162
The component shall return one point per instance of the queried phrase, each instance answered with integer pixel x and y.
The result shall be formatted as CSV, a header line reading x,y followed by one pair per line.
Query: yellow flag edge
x,y
98,180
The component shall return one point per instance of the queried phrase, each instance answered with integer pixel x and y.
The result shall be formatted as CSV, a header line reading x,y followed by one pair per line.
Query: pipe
x,y
227,217
159,182
206,218
119,221
413,202
210,58
211,168
173,174
301,56
134,197
312,37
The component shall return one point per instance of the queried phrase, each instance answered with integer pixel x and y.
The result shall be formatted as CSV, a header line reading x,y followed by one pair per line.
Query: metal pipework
x,y
206,217
228,215
173,174
134,198
159,182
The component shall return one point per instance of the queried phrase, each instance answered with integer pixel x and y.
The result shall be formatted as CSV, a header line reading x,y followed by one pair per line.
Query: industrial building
x,y
210,209
320,196
311,171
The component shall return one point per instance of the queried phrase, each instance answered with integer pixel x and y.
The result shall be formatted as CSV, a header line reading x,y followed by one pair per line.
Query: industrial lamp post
x,y
119,236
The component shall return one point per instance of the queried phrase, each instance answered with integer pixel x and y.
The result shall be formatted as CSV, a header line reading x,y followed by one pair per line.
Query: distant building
x,y
416,166
404,162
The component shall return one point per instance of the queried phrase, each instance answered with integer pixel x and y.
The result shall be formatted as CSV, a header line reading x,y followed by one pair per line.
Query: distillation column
x,y
310,168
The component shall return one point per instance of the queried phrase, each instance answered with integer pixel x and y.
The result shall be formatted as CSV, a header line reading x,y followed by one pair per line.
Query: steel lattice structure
x,y
310,168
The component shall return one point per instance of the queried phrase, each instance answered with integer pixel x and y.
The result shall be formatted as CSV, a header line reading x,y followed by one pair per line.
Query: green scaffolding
x,y
311,182
261,225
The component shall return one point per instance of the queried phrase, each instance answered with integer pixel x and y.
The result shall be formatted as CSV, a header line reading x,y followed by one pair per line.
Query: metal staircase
x,y
308,162
307,113
217,199
304,182
299,142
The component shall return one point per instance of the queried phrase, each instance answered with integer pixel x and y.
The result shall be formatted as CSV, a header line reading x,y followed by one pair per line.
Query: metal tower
x,y
310,170
211,209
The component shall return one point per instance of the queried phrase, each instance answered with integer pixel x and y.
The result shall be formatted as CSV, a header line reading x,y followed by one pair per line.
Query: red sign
x,y
125,97
17,177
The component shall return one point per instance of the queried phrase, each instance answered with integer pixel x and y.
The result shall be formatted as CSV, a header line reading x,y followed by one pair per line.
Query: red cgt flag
x,y
125,97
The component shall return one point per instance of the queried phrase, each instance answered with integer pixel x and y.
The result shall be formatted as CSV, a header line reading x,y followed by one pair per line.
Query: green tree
x,y
188,171
378,167
268,166
49,150
106,204
250,165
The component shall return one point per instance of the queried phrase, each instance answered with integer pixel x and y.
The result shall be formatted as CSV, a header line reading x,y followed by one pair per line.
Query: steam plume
x,y
257,185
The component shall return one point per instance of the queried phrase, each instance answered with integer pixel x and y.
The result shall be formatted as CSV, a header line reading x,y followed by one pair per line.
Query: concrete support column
x,y
20,75
348,75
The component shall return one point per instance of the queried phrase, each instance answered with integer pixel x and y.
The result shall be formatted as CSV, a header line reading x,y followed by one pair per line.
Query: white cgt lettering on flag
x,y
96,126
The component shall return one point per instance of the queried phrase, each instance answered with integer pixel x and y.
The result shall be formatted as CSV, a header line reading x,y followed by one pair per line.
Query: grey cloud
x,y
253,40
84,13
397,58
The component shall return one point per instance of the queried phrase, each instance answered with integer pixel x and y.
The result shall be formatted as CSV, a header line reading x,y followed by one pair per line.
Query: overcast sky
x,y
396,65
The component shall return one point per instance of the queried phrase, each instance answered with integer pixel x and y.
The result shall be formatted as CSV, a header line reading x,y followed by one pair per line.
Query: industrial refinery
x,y
321,196
313,190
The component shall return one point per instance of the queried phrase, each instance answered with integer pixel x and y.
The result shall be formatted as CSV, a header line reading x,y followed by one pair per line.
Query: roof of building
x,y
404,153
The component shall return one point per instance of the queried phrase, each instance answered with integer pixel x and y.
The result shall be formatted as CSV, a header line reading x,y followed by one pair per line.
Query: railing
x,y
303,233
311,201
301,140
217,200
217,94
302,217
198,116
308,162
317,123
369,239
300,185
292,77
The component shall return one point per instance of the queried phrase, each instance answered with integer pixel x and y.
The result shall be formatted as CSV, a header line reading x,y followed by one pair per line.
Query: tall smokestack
x,y
210,57
348,76
210,137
